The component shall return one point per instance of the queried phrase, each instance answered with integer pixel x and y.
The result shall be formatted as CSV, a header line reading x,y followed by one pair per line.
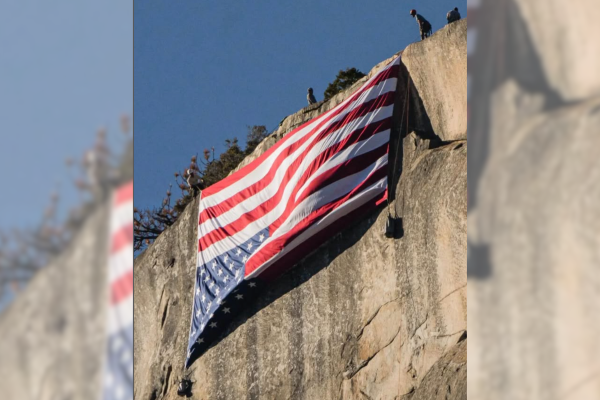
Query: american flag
x,y
118,369
265,217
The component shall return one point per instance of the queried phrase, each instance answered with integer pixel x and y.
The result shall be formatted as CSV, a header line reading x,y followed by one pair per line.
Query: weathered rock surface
x,y
363,317
566,50
447,379
438,69
53,334
533,322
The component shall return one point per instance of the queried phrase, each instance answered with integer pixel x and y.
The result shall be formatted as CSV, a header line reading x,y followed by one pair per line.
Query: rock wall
x,y
566,49
53,334
534,317
439,72
363,317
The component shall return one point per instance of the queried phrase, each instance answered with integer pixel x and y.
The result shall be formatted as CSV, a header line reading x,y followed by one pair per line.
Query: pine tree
x,y
343,80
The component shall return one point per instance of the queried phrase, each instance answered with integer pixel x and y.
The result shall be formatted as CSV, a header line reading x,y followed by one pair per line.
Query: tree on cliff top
x,y
149,223
25,251
343,80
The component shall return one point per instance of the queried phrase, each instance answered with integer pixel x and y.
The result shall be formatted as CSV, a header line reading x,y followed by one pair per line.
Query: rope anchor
x,y
185,388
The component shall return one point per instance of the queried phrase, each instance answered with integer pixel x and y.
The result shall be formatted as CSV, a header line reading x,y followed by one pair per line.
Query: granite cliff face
x,y
539,216
53,333
362,317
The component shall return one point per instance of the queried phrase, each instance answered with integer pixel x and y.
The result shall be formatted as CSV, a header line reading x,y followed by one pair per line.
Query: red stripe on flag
x,y
391,72
328,177
124,194
122,287
315,241
384,100
275,246
121,238
316,185
346,168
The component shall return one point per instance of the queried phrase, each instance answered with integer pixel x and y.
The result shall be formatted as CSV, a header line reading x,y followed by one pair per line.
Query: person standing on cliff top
x,y
453,15
310,97
194,181
424,25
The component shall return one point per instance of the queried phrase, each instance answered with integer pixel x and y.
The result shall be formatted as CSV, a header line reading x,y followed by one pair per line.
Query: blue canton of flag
x,y
118,383
219,292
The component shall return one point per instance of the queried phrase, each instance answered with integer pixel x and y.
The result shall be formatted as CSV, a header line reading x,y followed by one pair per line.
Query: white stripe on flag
x,y
120,263
323,197
350,152
264,195
121,216
120,315
349,206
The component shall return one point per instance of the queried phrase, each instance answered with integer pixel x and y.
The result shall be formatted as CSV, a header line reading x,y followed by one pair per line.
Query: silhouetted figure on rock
x,y
453,15
311,97
424,25
194,181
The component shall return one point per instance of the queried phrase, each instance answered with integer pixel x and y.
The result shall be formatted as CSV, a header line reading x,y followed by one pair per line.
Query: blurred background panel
x,y
65,121
534,209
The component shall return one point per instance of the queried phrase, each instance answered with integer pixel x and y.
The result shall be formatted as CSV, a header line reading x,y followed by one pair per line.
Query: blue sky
x,y
66,71
205,70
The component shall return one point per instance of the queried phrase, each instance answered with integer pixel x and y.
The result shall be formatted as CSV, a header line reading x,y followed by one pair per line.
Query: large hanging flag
x,y
118,370
265,217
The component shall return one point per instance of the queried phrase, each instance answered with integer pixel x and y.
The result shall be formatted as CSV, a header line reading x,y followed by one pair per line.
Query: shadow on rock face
x,y
262,296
